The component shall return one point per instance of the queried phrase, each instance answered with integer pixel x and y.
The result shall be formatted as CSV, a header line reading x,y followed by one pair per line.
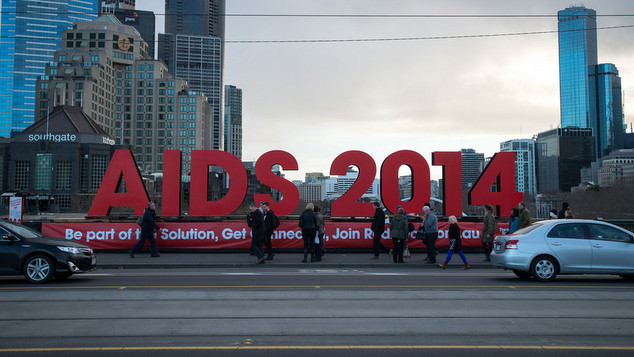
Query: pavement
x,y
331,260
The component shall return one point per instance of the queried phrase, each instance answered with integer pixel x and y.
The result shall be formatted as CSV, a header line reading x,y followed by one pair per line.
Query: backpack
x,y
276,222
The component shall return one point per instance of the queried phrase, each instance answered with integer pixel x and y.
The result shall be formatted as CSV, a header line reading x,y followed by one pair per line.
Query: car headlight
x,y
70,250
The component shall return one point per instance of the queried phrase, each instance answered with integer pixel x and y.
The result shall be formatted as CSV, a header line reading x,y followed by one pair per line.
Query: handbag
x,y
420,233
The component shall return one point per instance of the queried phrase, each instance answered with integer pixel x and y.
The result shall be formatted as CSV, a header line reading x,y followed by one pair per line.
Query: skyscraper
x,y
233,121
193,49
607,111
590,93
577,52
30,34
143,21
525,175
472,163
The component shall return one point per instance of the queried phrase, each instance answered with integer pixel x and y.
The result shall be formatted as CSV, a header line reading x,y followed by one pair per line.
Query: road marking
x,y
240,274
320,347
387,274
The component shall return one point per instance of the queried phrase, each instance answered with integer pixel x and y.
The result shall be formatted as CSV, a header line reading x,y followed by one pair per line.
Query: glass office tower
x,y
30,34
607,112
577,52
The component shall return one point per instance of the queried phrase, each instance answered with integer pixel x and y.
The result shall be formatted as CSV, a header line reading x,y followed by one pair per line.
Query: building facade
x,y
143,21
618,166
607,112
193,49
104,68
577,53
525,164
472,164
57,163
233,121
30,33
561,154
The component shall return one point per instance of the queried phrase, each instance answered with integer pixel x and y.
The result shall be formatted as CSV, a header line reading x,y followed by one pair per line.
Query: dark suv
x,y
41,258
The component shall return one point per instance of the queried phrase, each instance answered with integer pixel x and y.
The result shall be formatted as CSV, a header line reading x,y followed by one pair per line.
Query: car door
x,y
9,252
612,249
570,246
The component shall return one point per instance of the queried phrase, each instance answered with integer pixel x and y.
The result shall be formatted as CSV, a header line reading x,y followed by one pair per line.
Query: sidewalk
x,y
334,260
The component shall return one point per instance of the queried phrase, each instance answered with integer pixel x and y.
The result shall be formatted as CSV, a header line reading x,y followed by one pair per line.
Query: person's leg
x,y
431,247
139,245
306,244
268,245
462,256
152,240
395,249
449,255
375,245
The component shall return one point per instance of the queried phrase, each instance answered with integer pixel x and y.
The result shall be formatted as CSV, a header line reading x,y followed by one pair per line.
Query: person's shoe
x,y
375,257
155,255
270,257
131,254
261,260
443,265
466,266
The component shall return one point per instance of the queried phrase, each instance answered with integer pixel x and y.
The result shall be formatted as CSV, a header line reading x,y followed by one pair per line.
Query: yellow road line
x,y
321,347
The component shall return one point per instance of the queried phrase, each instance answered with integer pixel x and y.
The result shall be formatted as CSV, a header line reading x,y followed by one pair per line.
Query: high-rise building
x,y
233,121
143,21
30,33
577,53
104,68
472,164
525,175
193,49
561,154
590,93
607,111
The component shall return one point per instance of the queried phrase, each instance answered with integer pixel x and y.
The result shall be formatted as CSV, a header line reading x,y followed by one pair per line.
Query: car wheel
x,y
544,269
627,277
63,276
521,274
39,269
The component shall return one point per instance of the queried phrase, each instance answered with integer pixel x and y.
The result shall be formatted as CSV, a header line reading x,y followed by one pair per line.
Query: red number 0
x,y
420,181
347,204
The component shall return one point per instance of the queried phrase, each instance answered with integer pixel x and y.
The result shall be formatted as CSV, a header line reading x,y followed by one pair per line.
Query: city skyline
x,y
383,96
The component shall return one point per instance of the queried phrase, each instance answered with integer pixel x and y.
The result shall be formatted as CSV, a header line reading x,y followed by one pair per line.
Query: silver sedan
x,y
573,246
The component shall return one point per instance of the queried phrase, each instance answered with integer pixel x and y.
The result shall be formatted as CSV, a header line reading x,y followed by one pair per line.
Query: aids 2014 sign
x,y
500,171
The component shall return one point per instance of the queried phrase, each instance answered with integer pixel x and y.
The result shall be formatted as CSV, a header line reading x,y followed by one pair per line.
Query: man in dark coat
x,y
378,227
270,223
255,220
148,225
562,213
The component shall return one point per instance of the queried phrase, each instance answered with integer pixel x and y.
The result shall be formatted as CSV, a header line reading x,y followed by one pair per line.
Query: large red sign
x,y
232,235
499,171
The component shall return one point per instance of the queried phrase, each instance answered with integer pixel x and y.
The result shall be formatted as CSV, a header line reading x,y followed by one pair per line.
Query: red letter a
x,y
122,166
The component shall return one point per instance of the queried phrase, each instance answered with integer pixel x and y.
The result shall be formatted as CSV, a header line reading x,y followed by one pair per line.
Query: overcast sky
x,y
317,100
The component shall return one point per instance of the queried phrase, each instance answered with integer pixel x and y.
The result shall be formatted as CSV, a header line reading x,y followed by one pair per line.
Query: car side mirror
x,y
9,237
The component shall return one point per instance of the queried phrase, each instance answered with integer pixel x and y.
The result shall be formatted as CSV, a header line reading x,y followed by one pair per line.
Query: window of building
x,y
63,175
22,175
63,201
98,168
43,165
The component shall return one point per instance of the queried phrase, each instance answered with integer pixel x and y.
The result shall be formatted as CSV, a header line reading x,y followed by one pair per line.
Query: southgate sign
x,y
499,171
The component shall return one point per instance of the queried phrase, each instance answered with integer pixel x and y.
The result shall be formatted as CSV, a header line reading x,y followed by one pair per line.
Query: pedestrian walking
x,y
525,216
455,244
431,233
562,212
308,224
514,219
489,227
255,220
399,233
378,227
148,226
271,222
321,232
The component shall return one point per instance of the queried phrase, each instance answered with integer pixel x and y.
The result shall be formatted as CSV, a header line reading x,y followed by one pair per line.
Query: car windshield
x,y
20,230
528,229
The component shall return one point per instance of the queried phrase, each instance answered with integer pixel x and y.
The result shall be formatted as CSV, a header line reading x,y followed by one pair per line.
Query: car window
x,y
567,230
4,232
21,230
603,232
528,229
